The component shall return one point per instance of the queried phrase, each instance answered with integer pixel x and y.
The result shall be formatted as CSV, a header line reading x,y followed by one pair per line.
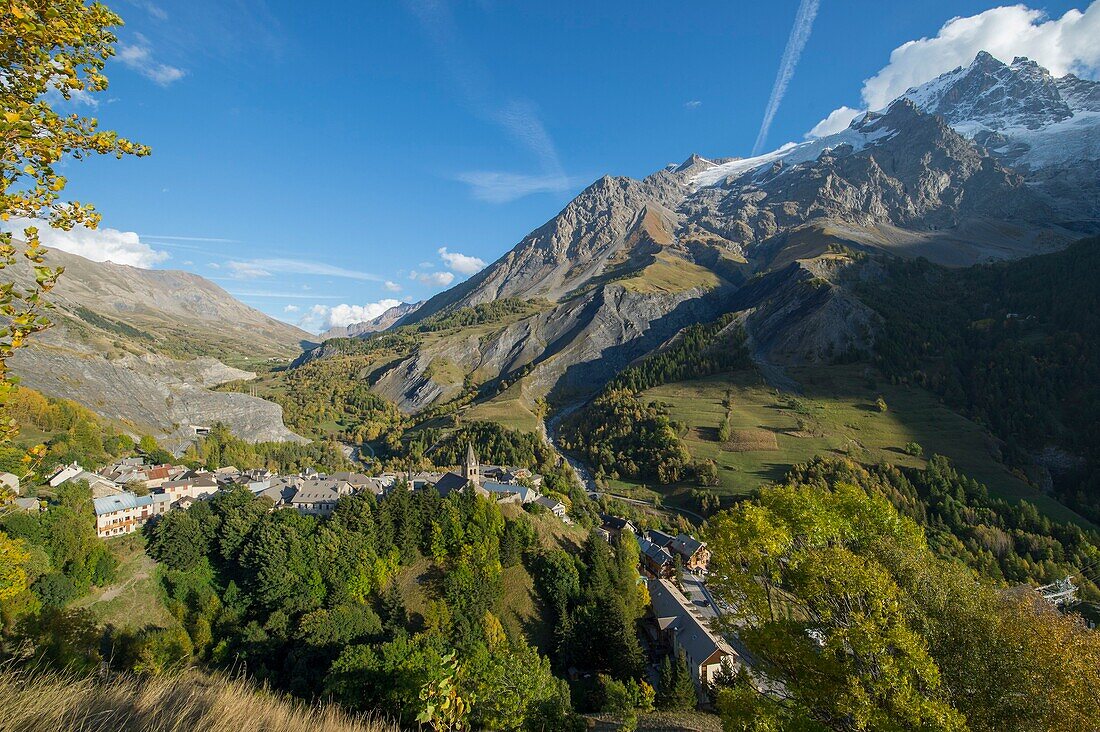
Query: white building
x,y
125,513
10,481
63,473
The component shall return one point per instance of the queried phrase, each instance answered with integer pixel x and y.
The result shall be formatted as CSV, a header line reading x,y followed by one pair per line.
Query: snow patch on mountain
x,y
864,131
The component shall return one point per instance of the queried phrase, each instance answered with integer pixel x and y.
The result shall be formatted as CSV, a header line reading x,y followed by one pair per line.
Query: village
x,y
129,493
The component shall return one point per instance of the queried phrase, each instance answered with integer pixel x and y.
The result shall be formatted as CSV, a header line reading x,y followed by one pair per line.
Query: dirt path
x,y
144,569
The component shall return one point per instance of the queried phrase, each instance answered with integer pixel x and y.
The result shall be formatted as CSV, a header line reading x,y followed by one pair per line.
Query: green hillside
x,y
836,415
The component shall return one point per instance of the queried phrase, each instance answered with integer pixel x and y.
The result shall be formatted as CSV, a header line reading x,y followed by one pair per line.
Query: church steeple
x,y
473,468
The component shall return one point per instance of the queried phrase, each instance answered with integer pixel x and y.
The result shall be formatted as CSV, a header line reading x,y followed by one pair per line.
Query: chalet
x,y
553,505
693,554
227,475
614,525
125,513
100,485
510,475
657,560
315,499
192,486
675,625
280,490
31,505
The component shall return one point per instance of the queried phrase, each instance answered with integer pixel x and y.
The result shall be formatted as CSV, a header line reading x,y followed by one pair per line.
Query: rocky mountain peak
x,y
994,95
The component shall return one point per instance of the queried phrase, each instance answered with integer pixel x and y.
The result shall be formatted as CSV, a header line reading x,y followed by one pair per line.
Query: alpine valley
x,y
823,254
800,441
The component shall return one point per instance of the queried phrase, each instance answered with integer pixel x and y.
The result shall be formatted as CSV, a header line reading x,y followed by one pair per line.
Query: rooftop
x,y
123,501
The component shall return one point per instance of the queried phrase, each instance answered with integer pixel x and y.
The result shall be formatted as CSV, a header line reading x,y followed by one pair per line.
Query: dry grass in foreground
x,y
36,701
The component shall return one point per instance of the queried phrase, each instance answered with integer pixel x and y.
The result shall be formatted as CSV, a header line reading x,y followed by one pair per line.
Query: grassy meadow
x,y
837,413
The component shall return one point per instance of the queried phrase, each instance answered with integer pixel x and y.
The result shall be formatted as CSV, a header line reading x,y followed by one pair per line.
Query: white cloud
x,y
796,41
693,104
99,245
435,279
139,57
322,317
251,268
347,314
838,120
152,8
1063,45
247,270
291,309
500,187
461,263
392,286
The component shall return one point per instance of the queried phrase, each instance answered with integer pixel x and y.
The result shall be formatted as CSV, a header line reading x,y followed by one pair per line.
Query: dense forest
x,y
314,606
620,436
1006,542
62,558
1015,346
699,350
331,398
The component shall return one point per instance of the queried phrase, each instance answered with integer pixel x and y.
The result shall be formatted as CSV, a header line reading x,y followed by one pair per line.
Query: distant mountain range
x,y
991,161
366,327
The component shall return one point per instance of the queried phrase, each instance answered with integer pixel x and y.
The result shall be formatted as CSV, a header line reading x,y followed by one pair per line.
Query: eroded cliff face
x,y
153,394
565,352
114,328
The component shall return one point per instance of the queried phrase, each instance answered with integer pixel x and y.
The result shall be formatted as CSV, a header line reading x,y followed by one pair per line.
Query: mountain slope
x,y
174,313
145,346
628,263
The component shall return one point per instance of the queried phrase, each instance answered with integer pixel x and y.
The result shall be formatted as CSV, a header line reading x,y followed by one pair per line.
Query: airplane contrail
x,y
800,33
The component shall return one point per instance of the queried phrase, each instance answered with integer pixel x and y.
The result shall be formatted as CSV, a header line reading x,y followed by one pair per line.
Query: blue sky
x,y
315,161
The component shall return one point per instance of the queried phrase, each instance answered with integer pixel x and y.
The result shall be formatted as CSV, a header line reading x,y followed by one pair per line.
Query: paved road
x,y
650,504
584,475
696,590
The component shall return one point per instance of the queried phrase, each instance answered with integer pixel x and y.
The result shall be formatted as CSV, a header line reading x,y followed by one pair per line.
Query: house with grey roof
x,y
656,559
315,498
554,506
31,505
675,624
125,513
693,553
11,482
615,525
510,493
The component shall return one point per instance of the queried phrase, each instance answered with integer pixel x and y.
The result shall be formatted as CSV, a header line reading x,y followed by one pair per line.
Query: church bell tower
x,y
473,468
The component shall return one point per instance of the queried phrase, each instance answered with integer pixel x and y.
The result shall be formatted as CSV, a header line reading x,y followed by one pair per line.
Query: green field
x,y
835,415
